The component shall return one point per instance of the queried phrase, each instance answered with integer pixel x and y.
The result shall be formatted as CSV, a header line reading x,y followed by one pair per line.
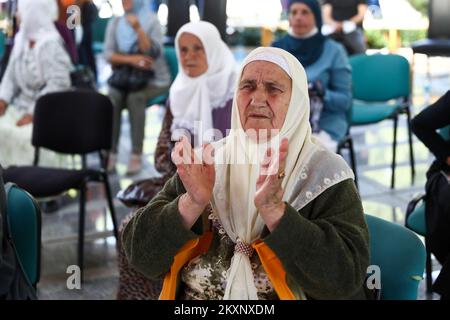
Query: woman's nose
x,y
259,96
189,54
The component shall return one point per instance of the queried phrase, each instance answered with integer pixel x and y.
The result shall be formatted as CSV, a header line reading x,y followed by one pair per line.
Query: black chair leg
x,y
353,160
81,224
394,150
111,206
411,151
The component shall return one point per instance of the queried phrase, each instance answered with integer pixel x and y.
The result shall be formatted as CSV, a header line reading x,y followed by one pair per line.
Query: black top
x,y
425,124
344,9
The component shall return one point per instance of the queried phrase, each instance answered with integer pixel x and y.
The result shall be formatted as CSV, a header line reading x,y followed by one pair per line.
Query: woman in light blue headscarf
x,y
135,39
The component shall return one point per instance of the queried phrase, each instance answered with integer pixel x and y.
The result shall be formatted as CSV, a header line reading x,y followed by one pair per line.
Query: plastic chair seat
x,y
364,113
46,182
432,47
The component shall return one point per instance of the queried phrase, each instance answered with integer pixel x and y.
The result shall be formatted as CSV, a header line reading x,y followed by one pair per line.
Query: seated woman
x,y
327,67
288,227
425,126
39,64
201,93
135,40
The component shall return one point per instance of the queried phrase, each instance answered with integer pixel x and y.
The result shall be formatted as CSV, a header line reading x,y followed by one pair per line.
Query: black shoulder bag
x,y
128,78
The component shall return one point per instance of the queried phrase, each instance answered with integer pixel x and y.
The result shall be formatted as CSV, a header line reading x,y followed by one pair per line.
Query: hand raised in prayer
x,y
198,177
26,119
269,193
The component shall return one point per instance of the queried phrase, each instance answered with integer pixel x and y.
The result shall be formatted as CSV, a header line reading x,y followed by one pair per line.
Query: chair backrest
x,y
415,220
439,17
99,29
25,223
401,257
2,44
73,122
171,58
380,77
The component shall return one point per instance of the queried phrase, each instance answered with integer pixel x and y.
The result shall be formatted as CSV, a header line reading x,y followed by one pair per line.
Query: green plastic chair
x,y
98,34
445,132
381,90
172,62
2,44
347,143
401,257
25,223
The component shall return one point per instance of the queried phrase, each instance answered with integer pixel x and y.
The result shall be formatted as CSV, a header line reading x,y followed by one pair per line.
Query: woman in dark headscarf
x,y
326,66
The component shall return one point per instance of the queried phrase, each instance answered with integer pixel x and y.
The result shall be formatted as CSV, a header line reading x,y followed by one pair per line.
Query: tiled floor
x,y
373,147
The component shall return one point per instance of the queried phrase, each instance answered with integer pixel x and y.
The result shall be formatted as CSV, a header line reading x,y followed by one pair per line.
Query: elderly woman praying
x,y
284,221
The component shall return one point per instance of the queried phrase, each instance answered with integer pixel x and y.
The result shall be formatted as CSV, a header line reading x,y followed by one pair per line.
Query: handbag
x,y
129,78
140,193
83,78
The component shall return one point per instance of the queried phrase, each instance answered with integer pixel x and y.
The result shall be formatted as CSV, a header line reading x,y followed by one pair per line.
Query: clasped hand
x,y
198,178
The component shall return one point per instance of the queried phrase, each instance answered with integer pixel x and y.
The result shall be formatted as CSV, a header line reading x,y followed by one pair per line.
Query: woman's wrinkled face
x,y
301,19
127,5
192,55
263,96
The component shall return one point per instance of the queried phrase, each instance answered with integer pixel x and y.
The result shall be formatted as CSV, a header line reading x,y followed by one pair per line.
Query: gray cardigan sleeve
x,y
56,66
330,237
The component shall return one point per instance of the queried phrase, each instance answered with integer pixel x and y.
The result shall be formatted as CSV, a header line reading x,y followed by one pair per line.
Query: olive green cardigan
x,y
324,247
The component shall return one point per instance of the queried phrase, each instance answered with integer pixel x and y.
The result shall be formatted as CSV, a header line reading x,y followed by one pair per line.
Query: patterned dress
x,y
204,277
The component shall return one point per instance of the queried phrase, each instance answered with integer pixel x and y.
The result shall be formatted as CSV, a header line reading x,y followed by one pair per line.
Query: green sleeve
x,y
324,248
156,232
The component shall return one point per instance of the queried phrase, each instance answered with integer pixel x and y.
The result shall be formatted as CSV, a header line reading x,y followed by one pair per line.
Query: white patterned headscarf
x,y
310,170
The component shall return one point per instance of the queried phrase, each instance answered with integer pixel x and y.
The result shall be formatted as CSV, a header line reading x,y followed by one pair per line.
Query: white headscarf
x,y
310,170
193,99
36,24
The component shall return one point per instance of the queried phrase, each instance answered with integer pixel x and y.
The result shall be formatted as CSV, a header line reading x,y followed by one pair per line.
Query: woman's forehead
x,y
265,69
189,38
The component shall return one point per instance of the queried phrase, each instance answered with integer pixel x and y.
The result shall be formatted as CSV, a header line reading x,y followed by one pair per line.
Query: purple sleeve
x,y
222,117
69,40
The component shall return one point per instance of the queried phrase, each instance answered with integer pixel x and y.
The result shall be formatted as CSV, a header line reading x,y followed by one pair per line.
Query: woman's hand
x,y
26,119
269,193
198,177
140,61
3,106
133,21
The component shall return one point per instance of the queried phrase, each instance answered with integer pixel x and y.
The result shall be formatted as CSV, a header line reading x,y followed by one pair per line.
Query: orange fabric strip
x,y
189,251
271,264
274,269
